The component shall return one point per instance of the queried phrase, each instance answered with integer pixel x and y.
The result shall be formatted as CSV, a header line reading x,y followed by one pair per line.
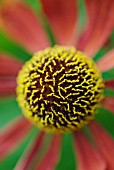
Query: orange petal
x,y
108,103
21,23
50,159
12,136
88,156
106,62
109,84
62,16
105,143
9,66
102,28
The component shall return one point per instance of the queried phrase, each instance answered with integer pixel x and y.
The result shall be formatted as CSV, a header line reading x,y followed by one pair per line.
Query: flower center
x,y
59,89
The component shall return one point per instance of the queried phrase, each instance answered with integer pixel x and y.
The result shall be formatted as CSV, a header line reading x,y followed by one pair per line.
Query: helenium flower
x,y
65,88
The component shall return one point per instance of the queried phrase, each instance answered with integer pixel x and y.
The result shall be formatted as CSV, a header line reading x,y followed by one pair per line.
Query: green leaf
x,y
10,161
106,119
108,74
82,13
101,53
105,49
34,3
9,110
108,92
88,135
67,160
10,47
112,38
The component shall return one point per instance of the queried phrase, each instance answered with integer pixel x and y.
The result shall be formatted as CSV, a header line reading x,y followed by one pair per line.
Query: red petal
x,y
88,156
105,143
108,103
62,16
50,159
106,62
7,85
25,162
101,29
109,84
92,11
9,66
22,24
12,136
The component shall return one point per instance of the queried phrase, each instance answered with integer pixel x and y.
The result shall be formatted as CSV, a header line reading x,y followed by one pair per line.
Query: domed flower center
x,y
59,89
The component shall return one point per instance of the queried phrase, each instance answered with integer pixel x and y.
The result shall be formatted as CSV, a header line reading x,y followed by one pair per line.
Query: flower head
x,y
60,88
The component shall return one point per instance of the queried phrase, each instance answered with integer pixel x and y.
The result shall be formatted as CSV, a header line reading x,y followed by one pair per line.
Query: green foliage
x,y
82,13
35,4
108,92
13,48
106,119
108,74
8,110
105,49
101,53
88,135
112,39
67,159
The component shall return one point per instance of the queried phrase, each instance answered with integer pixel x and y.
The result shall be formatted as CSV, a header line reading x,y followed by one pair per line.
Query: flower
x,y
59,89
90,146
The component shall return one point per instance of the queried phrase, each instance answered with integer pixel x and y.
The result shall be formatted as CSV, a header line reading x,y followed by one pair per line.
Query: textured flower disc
x,y
59,89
